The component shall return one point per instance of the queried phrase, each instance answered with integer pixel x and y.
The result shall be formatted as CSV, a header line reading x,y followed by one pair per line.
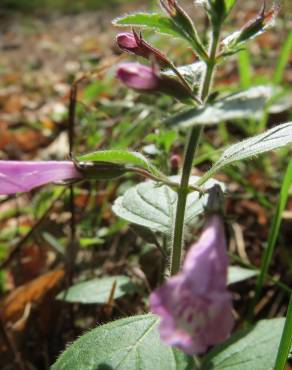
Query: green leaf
x,y
97,290
128,344
229,4
153,206
238,273
283,61
153,21
191,72
247,104
120,157
274,138
249,349
88,242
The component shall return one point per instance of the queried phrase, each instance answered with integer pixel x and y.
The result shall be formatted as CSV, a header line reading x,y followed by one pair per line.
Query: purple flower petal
x,y
138,76
18,176
195,306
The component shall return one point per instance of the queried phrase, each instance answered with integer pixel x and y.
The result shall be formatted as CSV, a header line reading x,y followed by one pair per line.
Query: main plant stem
x,y
192,145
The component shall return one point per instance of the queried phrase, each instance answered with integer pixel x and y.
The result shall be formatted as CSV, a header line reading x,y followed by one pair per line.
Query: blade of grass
x,y
244,68
283,59
273,235
286,340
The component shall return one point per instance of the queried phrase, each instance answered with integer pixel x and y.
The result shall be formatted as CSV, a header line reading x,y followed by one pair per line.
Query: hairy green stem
x,y
183,191
190,151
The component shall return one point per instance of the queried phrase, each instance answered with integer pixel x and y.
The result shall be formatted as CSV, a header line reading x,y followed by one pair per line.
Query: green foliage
x,y
272,139
119,157
97,290
286,340
151,21
134,343
283,59
128,344
273,232
153,206
192,73
244,67
229,4
237,274
254,348
246,104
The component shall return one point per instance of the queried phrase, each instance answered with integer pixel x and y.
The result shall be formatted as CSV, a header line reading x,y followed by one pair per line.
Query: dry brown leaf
x,y
14,304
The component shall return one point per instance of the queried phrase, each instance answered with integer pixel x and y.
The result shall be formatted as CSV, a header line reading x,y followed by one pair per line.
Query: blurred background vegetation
x,y
81,5
62,5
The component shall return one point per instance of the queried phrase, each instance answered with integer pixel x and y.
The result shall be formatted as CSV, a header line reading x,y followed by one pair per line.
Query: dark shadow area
x,y
104,367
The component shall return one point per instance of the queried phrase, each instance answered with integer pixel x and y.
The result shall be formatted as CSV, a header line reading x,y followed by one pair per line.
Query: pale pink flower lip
x,y
22,176
194,306
138,76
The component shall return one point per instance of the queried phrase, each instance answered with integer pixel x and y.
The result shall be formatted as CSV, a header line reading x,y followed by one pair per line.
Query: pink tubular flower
x,y
195,306
138,77
18,176
143,78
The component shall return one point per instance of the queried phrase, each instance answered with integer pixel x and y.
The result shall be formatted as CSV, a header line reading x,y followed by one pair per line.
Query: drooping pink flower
x,y
195,306
143,78
138,76
21,176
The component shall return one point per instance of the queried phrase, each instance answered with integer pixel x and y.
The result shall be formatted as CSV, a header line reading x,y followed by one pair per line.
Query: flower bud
x,y
175,162
133,43
170,6
129,43
184,25
252,29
